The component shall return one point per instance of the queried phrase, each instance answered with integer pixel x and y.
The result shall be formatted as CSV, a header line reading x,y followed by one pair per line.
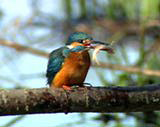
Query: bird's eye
x,y
84,41
81,41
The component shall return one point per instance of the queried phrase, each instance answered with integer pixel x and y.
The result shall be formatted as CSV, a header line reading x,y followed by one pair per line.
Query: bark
x,y
89,99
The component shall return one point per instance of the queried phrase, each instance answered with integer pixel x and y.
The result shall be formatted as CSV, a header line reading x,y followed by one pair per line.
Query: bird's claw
x,y
66,87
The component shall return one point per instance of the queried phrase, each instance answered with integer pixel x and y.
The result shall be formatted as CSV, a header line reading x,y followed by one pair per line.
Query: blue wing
x,y
55,62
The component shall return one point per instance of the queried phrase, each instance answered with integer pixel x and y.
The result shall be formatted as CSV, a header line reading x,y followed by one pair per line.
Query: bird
x,y
68,65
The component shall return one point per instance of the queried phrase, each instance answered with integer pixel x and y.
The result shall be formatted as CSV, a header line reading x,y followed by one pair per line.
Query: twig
x,y
22,48
136,70
129,69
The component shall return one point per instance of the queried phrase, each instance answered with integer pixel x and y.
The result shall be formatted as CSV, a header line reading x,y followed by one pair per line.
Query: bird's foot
x,y
66,87
84,86
80,87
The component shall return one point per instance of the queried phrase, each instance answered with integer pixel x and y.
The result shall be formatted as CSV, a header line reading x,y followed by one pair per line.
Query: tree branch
x,y
130,69
90,99
22,48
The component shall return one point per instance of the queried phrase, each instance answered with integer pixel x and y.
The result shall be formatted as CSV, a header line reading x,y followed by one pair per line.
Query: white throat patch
x,y
70,46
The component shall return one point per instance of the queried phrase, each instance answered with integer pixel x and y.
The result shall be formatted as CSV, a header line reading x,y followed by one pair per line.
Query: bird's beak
x,y
101,46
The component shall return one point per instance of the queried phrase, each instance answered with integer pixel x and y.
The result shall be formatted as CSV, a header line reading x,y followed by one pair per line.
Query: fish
x,y
98,47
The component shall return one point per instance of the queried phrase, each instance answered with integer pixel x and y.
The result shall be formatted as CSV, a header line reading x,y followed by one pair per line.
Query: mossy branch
x,y
90,99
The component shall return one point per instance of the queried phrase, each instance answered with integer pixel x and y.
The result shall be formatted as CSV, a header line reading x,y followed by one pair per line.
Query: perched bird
x,y
68,65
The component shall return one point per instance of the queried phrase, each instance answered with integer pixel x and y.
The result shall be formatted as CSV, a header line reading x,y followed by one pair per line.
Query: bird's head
x,y
84,39
79,39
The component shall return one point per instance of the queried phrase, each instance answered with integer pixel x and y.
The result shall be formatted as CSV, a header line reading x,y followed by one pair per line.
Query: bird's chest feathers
x,y
77,64
74,69
78,59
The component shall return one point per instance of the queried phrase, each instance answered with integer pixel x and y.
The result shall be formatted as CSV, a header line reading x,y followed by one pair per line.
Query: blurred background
x,y
29,29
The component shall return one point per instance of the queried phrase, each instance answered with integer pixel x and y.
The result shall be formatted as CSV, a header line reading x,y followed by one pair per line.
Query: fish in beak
x,y
97,46
102,46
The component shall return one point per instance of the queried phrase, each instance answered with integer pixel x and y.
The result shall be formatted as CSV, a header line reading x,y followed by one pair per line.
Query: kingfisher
x,y
69,65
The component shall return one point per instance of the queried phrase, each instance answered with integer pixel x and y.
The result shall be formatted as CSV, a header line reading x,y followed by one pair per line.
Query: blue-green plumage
x,y
68,65
57,57
78,37
56,60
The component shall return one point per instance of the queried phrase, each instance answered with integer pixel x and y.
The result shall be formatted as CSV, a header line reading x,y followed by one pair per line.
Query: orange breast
x,y
74,70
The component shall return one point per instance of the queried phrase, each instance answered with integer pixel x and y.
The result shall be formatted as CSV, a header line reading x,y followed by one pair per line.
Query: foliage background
x,y
133,25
